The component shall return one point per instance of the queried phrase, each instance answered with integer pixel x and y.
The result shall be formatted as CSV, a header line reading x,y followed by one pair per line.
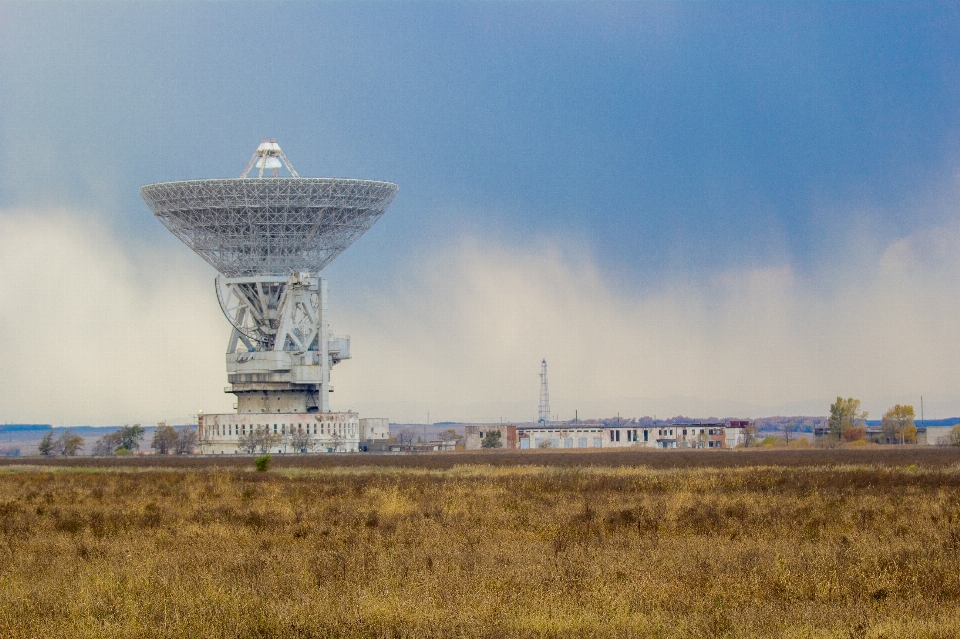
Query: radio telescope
x,y
269,237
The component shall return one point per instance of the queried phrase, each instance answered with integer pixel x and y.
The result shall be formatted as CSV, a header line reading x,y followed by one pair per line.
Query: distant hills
x,y
949,421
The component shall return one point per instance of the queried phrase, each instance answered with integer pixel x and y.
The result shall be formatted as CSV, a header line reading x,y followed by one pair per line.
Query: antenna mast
x,y
544,395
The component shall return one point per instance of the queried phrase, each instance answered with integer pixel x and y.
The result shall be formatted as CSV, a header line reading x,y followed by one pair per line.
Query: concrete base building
x,y
226,434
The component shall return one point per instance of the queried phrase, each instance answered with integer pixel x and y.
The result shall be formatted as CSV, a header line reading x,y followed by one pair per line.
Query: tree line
x,y
166,440
126,440
849,423
68,443
262,440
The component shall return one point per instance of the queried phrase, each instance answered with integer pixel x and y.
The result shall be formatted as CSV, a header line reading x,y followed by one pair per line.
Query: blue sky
x,y
657,150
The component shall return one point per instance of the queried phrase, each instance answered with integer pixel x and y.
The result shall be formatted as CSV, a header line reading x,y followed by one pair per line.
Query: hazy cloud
x,y
462,335
98,332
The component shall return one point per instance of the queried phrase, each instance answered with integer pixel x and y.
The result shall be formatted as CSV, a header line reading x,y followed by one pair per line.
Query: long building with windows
x,y
712,435
236,433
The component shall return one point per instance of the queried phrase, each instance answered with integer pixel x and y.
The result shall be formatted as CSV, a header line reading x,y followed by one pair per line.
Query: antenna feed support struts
x,y
269,155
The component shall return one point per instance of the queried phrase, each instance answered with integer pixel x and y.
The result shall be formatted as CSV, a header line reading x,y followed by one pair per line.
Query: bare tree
x,y
261,440
449,435
953,439
164,438
750,436
250,443
108,444
406,436
186,441
69,443
788,427
302,441
268,440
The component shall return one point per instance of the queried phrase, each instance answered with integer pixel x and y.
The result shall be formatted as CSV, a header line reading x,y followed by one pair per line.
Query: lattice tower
x,y
544,395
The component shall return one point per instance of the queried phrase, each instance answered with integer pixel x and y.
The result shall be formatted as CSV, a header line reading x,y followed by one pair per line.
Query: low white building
x,y
224,434
560,436
663,436
938,435
374,429
736,433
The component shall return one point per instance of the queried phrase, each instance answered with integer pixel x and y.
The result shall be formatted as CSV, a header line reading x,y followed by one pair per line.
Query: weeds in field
x,y
483,551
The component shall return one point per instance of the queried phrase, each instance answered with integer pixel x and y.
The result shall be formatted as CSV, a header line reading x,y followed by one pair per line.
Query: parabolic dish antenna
x,y
269,237
269,226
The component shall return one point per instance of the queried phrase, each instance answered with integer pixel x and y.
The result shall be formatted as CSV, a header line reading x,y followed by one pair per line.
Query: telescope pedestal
x,y
280,351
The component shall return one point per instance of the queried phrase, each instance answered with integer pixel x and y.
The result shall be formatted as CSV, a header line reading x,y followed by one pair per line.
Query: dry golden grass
x,y
614,458
482,551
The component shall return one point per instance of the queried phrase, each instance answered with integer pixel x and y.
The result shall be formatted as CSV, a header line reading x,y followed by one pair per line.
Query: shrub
x,y
493,439
854,433
262,463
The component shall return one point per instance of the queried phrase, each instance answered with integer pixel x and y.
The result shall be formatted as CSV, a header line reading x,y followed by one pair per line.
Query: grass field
x,y
703,544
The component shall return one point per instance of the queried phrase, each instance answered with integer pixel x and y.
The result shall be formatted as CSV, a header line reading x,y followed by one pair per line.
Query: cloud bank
x,y
462,336
98,333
